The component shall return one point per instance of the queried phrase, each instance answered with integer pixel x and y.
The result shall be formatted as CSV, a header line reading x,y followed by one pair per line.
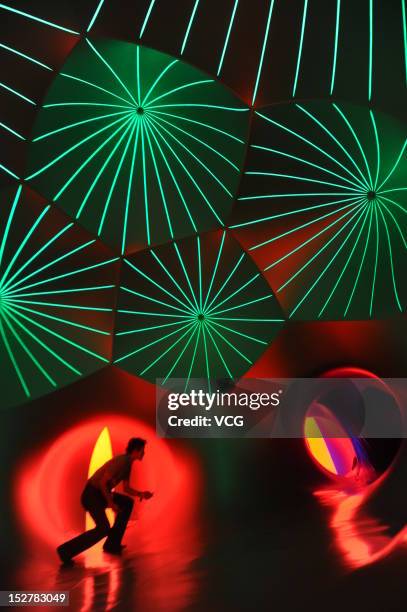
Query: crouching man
x,y
98,495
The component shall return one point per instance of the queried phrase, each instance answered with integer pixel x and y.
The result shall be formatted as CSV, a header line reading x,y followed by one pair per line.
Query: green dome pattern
x,y
198,308
138,146
323,209
56,299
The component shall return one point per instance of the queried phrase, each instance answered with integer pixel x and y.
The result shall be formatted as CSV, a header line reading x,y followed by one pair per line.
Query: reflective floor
x,y
290,561
278,537
144,577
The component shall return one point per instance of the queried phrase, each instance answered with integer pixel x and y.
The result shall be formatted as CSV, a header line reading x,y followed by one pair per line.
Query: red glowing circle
x,y
49,484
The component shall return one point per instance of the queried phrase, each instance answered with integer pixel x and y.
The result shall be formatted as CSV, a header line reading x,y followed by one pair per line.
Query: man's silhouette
x,y
97,496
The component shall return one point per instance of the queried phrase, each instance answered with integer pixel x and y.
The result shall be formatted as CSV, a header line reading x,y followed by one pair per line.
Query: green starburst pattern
x,y
56,311
197,308
139,147
323,209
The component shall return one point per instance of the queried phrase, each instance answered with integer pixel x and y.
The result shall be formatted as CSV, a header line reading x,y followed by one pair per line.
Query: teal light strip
x,y
13,359
263,50
179,88
129,188
396,295
191,20
361,263
363,180
355,212
180,193
301,160
39,19
160,184
326,268
376,134
18,94
301,226
9,172
299,56
26,238
344,268
109,67
27,57
404,16
226,43
60,337
35,255
357,140
146,18
370,50
9,129
42,344
292,212
215,269
158,285
376,261
157,80
95,15
200,123
314,146
115,178
337,25
129,105
9,221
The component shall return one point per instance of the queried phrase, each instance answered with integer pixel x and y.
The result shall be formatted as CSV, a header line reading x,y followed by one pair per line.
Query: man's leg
x,y
116,533
94,503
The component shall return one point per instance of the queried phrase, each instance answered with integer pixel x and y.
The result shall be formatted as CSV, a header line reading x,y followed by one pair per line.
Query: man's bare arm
x,y
134,493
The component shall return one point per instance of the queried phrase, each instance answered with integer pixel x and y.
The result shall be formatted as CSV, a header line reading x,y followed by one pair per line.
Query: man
x,y
97,496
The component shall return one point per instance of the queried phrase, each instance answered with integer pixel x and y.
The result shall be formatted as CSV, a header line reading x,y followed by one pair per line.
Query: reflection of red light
x,y
360,539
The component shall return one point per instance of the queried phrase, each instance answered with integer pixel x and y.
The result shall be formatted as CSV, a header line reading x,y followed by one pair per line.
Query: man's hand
x,y
145,495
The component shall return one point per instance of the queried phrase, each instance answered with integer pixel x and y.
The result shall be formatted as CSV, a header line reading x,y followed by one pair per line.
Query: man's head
x,y
135,448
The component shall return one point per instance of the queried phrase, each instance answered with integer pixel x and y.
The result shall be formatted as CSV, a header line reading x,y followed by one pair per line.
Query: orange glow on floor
x,y
359,538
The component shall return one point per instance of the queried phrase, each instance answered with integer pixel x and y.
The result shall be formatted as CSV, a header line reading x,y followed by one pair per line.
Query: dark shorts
x,y
91,497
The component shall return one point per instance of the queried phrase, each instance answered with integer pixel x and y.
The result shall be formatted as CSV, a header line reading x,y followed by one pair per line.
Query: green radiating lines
x,y
158,145
194,309
46,299
344,251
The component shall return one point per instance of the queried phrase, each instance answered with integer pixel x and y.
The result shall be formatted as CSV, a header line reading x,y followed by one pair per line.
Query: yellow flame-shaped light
x,y
102,452
317,445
